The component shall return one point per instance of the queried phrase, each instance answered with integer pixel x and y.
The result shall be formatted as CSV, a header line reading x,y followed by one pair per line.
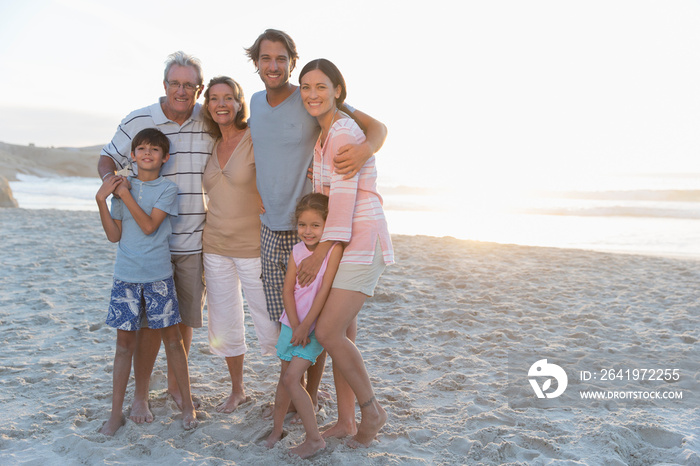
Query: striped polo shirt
x,y
190,148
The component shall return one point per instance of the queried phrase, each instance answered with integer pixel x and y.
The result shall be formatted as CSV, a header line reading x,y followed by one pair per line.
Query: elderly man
x,y
178,116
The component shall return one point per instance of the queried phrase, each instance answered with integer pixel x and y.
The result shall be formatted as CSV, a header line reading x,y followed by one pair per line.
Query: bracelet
x,y
110,173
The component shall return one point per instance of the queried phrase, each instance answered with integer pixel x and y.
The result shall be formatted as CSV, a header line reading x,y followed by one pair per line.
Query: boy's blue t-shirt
x,y
141,258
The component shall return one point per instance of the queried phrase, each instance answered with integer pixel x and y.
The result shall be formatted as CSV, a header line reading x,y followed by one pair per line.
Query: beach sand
x,y
448,340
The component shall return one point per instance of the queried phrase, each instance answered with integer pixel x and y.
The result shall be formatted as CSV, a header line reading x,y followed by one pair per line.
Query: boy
x,y
143,277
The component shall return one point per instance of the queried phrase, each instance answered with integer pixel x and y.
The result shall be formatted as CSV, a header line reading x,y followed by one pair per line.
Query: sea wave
x,y
658,203
74,193
659,195
613,211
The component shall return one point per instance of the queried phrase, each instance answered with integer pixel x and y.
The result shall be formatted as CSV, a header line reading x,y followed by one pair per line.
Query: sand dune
x,y
47,161
448,340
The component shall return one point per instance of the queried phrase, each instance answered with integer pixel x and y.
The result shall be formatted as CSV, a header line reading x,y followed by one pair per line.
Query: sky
x,y
486,94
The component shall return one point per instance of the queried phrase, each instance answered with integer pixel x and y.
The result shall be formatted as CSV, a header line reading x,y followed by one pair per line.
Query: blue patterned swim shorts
x,y
130,301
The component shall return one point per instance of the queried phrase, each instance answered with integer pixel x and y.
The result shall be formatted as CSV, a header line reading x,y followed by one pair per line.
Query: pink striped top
x,y
355,213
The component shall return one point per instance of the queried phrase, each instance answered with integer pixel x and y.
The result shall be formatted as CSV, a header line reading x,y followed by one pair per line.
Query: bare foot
x,y
232,402
273,438
308,448
189,420
112,425
140,412
268,411
296,419
177,398
373,418
340,430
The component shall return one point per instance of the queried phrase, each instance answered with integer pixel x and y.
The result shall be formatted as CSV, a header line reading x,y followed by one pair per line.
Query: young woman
x,y
356,218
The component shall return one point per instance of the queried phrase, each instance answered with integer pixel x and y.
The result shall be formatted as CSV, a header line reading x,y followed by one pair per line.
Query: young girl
x,y
297,346
355,218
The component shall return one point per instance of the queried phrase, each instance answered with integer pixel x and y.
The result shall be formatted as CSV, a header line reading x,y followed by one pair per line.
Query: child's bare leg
x,y
175,351
346,423
173,388
147,347
237,396
280,410
305,408
126,341
269,412
314,375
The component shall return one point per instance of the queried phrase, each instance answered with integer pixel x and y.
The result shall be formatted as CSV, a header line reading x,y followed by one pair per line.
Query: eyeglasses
x,y
189,87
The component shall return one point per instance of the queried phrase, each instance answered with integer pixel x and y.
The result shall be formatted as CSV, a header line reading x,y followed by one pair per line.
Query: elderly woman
x,y
231,238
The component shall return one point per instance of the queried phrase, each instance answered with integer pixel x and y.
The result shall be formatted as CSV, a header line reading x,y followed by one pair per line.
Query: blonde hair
x,y
241,118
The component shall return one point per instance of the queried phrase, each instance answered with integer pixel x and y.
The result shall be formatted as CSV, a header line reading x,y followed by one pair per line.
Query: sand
x,y
448,340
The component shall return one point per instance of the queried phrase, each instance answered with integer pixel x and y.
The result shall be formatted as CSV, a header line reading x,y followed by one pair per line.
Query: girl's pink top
x,y
304,297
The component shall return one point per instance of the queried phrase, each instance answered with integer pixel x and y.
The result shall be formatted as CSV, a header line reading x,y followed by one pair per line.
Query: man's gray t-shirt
x,y
283,141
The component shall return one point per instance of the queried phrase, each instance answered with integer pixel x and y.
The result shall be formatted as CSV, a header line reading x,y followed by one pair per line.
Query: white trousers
x,y
225,276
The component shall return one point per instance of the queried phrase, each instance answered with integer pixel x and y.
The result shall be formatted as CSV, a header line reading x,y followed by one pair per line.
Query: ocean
x,y
646,214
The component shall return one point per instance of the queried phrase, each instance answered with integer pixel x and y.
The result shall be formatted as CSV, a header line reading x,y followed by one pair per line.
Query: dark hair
x,y
152,136
241,119
312,201
273,35
333,73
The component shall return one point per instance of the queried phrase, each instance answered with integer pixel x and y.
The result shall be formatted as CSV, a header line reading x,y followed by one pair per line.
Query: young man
x,y
284,135
178,116
143,278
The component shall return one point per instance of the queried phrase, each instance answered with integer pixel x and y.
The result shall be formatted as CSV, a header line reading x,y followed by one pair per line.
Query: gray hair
x,y
182,59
